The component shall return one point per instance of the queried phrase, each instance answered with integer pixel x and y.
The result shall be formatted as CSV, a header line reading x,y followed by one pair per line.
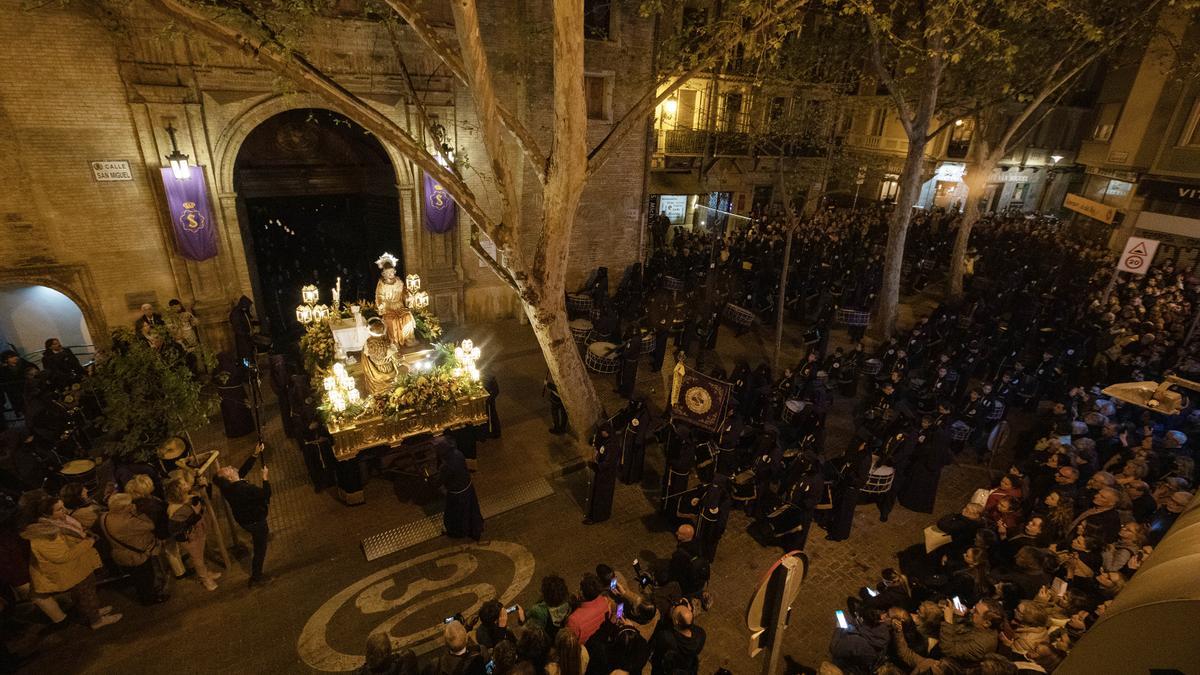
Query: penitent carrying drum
x,y
580,330
602,357
792,410
579,303
738,316
879,480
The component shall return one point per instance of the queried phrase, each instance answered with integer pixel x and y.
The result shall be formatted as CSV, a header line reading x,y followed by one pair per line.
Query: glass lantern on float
x,y
310,311
340,389
467,355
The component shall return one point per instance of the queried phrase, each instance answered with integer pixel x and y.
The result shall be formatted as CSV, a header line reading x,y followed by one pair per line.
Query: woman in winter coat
x,y
131,534
185,513
63,559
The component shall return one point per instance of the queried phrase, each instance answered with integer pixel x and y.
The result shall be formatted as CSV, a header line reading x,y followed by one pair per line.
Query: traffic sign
x,y
1138,255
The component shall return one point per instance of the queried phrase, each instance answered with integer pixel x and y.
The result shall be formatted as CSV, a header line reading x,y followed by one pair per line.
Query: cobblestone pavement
x,y
317,563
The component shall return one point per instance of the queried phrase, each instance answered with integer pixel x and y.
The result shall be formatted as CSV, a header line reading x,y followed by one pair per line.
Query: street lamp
x,y
178,160
670,106
1056,159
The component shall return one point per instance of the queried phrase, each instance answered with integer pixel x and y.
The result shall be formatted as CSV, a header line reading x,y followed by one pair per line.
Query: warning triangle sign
x,y
1140,249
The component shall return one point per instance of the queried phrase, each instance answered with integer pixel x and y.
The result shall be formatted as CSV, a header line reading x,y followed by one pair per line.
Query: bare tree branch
x,y
888,81
429,35
567,171
483,92
491,262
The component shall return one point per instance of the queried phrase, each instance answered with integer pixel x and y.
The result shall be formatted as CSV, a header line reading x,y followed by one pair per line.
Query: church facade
x,y
83,138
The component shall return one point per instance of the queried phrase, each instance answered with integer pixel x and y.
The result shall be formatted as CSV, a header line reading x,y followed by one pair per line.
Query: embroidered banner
x,y
191,217
441,213
700,399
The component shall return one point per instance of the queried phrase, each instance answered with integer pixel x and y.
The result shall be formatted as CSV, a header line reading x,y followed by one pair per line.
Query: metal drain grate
x,y
418,531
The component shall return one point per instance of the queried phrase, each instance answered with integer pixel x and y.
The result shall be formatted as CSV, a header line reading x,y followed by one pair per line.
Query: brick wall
x,y
62,105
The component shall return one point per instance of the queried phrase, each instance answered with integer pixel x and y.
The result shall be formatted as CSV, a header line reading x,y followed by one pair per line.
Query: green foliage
x,y
318,347
441,386
146,396
428,326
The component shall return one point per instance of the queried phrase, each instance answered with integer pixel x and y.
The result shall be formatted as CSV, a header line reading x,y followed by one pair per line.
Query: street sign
x,y
1138,255
771,606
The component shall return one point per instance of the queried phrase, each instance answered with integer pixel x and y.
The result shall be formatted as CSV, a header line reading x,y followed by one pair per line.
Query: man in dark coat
x,y
681,457
607,458
633,442
235,411
242,325
462,517
492,387
854,468
250,504
923,471
805,489
713,516
631,352
558,412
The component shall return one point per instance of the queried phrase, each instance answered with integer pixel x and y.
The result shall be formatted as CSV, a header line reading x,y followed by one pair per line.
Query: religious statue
x,y
389,301
380,362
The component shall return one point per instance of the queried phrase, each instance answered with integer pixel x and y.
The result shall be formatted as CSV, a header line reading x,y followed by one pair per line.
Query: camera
x,y
643,578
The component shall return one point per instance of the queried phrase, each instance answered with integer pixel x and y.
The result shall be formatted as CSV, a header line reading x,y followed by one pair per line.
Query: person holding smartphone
x,y
970,634
494,622
857,645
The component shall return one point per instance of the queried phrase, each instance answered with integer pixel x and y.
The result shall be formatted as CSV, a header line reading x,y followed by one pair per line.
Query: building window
x,y
597,19
888,187
731,113
1191,130
778,109
598,92
1106,121
1020,192
960,138
878,121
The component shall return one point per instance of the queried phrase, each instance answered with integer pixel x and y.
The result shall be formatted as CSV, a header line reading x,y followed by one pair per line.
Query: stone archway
x,y
435,259
73,281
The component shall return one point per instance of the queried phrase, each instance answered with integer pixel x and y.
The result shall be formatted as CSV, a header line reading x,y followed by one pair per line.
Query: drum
x,y
602,357
871,367
959,431
579,303
822,377
79,471
792,410
647,343
853,317
171,452
581,329
879,480
738,316
997,411
672,283
785,520
743,487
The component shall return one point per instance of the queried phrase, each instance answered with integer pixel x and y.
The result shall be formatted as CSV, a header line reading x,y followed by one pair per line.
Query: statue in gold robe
x,y
379,360
390,303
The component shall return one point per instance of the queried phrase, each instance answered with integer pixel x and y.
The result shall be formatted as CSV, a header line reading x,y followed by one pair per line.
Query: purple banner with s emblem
x,y
191,217
441,213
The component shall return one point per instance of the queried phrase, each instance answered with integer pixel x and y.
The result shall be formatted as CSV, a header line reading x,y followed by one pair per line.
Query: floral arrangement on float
x,y
442,381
